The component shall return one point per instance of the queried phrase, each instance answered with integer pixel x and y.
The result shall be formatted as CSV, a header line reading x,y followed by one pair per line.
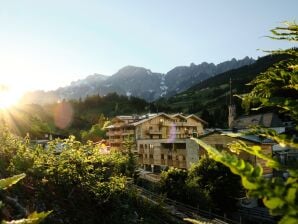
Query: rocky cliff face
x,y
137,81
183,77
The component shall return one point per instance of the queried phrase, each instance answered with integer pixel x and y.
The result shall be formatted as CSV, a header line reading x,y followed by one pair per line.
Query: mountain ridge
x,y
137,81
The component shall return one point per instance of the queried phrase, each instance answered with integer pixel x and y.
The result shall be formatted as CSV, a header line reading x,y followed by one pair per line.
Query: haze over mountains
x,y
137,81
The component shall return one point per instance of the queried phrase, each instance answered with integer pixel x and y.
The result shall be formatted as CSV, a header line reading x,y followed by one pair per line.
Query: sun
x,y
8,97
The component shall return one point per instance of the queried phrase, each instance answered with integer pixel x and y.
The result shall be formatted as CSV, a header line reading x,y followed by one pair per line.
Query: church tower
x,y
232,108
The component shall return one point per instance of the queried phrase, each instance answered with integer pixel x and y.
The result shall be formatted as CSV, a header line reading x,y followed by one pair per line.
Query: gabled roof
x,y
178,115
151,117
197,118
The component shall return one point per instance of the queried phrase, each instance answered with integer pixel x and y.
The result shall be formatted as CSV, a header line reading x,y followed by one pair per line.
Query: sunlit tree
x,y
275,88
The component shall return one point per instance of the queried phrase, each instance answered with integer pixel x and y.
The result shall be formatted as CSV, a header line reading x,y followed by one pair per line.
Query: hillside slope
x,y
209,98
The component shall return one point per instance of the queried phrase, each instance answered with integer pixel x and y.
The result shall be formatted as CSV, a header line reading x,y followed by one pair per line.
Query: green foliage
x,y
173,183
74,180
27,119
33,218
8,182
127,149
275,88
208,184
217,181
97,131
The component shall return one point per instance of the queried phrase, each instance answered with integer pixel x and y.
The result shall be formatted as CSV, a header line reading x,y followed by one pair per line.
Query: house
x,y
220,140
160,140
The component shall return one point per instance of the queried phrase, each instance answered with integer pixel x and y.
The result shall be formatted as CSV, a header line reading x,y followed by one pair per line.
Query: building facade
x,y
160,140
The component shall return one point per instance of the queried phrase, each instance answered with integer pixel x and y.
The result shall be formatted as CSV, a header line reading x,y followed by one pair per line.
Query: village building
x,y
220,139
160,140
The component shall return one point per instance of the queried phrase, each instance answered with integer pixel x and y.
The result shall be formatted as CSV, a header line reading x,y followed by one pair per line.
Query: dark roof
x,y
267,120
240,136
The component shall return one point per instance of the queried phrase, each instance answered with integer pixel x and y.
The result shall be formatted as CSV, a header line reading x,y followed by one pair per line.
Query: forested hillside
x,y
75,115
209,99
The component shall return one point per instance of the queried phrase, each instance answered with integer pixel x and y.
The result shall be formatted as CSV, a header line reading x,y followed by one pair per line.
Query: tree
x,y
97,131
275,88
127,148
221,186
208,184
173,183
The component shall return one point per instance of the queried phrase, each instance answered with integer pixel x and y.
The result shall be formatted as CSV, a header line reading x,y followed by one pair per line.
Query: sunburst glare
x,y
8,97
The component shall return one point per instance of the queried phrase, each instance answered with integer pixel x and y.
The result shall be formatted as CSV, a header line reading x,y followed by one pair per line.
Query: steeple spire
x,y
232,108
230,91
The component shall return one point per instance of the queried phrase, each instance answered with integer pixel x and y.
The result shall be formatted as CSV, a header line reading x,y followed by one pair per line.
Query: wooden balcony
x,y
115,140
180,123
153,132
128,132
176,163
182,164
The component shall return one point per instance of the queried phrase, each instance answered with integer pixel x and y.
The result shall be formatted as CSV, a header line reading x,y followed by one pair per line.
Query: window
x,y
151,156
162,156
169,157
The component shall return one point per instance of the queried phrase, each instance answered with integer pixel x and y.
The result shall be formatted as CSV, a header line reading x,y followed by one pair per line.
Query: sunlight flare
x,y
8,97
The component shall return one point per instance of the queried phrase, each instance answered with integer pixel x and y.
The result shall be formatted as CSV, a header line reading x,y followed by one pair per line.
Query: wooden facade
x,y
160,140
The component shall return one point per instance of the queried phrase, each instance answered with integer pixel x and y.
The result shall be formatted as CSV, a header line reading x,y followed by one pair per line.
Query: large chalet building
x,y
160,140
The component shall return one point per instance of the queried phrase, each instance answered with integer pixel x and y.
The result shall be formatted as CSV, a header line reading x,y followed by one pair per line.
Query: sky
x,y
47,44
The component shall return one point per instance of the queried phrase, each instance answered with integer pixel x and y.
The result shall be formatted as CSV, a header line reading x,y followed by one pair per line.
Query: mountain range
x,y
137,81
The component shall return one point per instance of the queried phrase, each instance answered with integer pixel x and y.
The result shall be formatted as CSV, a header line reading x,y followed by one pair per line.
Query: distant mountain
x,y
183,77
92,85
137,81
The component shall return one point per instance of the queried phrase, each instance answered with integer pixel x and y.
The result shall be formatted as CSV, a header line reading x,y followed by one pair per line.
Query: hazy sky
x,y
49,43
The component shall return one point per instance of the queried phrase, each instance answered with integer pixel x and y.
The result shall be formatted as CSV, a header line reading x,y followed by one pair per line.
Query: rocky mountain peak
x,y
141,82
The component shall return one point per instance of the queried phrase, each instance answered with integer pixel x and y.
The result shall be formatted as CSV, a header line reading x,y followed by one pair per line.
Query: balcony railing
x,y
115,140
153,132
170,162
128,132
180,123
182,164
